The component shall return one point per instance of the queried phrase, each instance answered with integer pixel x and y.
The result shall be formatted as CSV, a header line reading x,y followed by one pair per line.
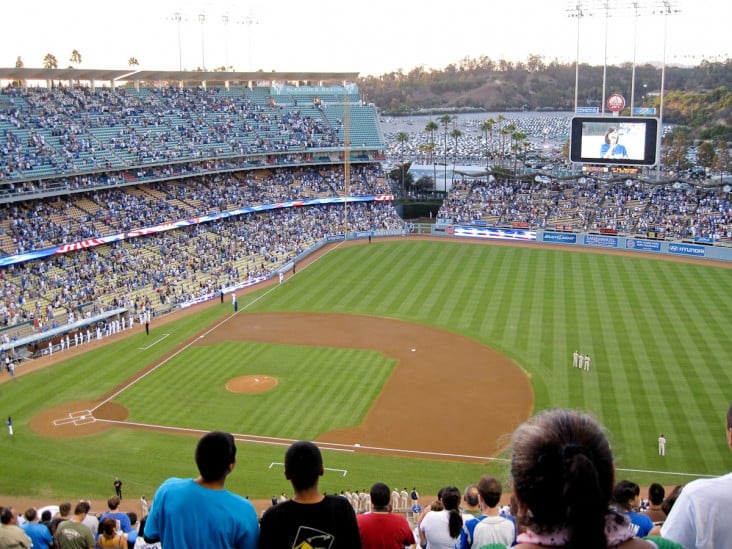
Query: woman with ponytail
x,y
441,529
563,475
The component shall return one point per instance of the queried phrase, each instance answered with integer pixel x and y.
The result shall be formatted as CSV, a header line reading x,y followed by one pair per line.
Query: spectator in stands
x,y
700,518
655,511
219,518
64,513
382,529
308,515
72,534
670,500
441,529
626,499
91,521
490,527
471,501
109,536
39,533
562,472
122,519
12,535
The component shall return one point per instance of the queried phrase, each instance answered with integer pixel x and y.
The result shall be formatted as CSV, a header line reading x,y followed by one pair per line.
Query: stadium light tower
x,y
225,20
576,10
249,20
178,17
202,20
584,8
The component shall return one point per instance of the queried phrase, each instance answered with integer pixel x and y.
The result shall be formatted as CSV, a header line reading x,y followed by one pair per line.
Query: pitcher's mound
x,y
251,384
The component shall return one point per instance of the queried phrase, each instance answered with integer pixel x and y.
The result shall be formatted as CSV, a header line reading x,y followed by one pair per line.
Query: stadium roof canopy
x,y
91,75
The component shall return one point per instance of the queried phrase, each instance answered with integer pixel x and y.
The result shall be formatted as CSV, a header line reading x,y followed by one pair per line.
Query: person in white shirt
x,y
700,517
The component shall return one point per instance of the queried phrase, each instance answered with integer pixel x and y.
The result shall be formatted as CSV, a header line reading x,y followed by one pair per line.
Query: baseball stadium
x,y
228,255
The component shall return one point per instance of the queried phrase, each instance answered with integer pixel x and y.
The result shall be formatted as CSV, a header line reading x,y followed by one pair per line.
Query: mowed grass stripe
x,y
630,327
305,374
686,343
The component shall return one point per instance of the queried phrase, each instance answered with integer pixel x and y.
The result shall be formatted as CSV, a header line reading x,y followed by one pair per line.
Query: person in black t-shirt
x,y
321,521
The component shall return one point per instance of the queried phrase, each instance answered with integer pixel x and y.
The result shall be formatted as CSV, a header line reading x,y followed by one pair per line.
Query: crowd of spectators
x,y
66,130
593,205
172,267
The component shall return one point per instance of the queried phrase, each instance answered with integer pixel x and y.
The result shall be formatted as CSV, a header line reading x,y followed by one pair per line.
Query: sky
x,y
370,38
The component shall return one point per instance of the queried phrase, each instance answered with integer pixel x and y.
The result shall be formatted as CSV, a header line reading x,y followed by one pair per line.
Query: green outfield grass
x,y
657,332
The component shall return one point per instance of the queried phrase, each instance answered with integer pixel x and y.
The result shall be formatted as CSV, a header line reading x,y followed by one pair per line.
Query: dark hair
x,y
303,464
624,492
133,517
108,527
30,514
471,495
668,503
64,508
380,495
215,453
6,515
656,493
610,130
729,417
490,490
81,508
46,516
562,470
450,498
113,502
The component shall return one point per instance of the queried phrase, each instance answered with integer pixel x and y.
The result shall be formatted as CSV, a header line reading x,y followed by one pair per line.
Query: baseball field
x,y
410,362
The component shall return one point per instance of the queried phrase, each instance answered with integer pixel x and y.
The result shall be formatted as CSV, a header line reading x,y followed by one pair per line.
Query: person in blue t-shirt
x,y
626,500
194,513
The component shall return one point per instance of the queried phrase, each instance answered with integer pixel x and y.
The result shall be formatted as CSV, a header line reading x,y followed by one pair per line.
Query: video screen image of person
x,y
612,148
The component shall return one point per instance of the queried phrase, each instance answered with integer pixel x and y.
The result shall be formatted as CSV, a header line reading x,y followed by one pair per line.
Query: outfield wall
x,y
587,240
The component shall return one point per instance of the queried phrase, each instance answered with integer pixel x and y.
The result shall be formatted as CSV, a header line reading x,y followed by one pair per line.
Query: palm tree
x,y
487,129
500,118
517,139
133,62
50,62
445,121
402,138
455,134
75,57
431,128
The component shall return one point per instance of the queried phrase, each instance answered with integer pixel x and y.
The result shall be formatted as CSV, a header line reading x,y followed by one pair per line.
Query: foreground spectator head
x,y
626,494
7,515
303,464
108,527
113,503
380,496
31,514
490,490
668,503
562,469
471,500
64,509
82,508
656,493
215,455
